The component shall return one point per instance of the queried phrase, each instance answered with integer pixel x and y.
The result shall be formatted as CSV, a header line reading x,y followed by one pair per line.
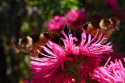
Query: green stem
x,y
77,80
75,75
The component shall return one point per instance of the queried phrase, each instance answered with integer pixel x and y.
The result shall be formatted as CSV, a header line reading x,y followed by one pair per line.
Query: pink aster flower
x,y
113,73
112,3
76,18
71,62
57,23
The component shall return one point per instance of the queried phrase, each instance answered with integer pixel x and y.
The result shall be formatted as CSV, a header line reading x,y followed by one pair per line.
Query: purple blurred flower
x,y
57,23
76,18
113,73
112,3
35,8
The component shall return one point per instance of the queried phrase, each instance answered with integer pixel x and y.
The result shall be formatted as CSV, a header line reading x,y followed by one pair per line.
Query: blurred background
x,y
23,17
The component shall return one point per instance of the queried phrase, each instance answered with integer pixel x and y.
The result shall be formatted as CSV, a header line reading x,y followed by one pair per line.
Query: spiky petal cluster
x,y
71,62
113,73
